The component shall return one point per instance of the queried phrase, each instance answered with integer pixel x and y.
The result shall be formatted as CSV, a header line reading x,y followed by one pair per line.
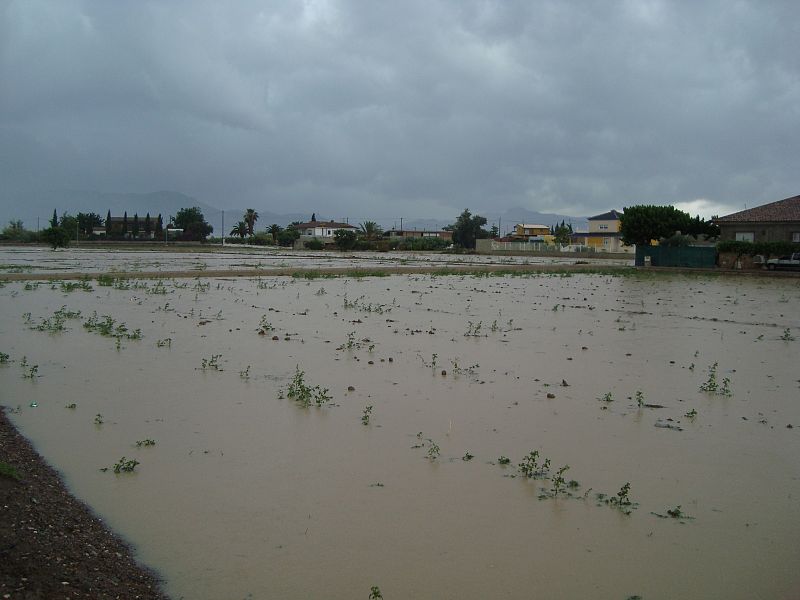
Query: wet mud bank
x,y
51,545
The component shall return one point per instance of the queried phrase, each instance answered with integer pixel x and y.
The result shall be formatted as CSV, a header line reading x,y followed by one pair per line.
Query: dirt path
x,y
51,545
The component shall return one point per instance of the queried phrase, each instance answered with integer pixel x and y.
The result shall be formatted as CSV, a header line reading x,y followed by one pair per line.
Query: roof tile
x,y
787,209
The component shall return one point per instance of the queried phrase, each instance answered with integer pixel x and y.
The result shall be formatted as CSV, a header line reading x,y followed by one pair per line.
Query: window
x,y
606,241
745,236
603,227
796,236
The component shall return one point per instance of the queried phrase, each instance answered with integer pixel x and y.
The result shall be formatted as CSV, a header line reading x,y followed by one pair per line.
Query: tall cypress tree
x,y
125,223
159,225
108,222
135,225
54,220
148,225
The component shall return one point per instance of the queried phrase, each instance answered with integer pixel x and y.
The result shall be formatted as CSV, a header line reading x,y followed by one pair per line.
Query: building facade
x,y
774,222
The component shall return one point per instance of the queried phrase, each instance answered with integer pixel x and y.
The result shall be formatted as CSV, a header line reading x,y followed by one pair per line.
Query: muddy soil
x,y
51,545
28,259
684,387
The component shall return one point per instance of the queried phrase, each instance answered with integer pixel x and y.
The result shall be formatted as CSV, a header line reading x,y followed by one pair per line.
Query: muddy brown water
x,y
247,495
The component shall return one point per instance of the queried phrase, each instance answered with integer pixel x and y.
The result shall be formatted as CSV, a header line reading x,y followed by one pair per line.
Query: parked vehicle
x,y
784,262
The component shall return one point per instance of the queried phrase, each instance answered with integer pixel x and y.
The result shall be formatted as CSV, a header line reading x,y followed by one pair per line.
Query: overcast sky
x,y
413,108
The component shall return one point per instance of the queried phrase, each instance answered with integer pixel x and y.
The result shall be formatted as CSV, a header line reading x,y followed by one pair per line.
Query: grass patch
x,y
6,470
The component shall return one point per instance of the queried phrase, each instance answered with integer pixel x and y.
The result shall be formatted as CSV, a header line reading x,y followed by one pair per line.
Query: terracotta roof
x,y
787,209
324,225
612,215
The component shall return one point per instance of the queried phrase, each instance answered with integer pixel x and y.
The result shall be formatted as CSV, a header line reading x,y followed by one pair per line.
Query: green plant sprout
x,y
366,414
531,468
211,363
621,501
473,329
145,443
304,394
433,450
710,384
674,513
375,593
559,483
265,326
125,465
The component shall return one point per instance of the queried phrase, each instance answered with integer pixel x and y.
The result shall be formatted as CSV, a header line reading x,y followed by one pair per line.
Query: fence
x,y
697,257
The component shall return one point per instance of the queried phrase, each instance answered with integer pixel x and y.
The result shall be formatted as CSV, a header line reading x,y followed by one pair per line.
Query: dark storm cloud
x,y
416,108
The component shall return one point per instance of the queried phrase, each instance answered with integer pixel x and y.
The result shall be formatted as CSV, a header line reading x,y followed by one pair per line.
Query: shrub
x,y
315,244
752,248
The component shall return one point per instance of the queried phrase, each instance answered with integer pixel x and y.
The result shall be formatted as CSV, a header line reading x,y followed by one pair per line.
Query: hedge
x,y
752,248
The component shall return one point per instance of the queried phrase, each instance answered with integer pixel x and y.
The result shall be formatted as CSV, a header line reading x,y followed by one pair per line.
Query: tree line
x,y
640,224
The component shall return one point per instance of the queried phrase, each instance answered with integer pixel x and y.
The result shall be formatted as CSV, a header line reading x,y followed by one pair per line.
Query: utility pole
x,y
223,227
401,223
499,226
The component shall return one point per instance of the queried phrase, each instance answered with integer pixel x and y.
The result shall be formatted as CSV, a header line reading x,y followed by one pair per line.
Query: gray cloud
x,y
417,108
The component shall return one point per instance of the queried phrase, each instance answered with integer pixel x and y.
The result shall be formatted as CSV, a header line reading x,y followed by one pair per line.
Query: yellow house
x,y
525,231
604,235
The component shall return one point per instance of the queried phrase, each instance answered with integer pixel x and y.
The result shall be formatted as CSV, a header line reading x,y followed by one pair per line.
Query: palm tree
x,y
371,230
250,217
239,229
274,230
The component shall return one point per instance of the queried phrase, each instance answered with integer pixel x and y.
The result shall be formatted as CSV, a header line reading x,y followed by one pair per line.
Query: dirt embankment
x,y
51,545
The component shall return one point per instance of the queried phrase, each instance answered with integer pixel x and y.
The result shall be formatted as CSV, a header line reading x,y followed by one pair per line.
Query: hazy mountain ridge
x,y
39,205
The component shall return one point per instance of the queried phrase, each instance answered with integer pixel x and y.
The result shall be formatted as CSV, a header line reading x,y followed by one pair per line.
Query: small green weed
x,y
304,394
375,593
366,414
6,470
211,364
125,465
433,450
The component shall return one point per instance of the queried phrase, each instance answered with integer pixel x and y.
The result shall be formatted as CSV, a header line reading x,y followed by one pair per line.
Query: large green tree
x,y
345,239
642,223
193,223
250,217
274,230
286,237
88,221
467,229
239,229
370,230
56,237
562,233
69,224
15,231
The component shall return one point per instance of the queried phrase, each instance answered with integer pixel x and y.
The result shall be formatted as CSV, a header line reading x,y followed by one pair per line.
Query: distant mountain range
x,y
33,206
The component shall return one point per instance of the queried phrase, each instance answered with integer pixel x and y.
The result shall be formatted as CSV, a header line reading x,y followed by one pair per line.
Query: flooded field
x,y
314,438
26,259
